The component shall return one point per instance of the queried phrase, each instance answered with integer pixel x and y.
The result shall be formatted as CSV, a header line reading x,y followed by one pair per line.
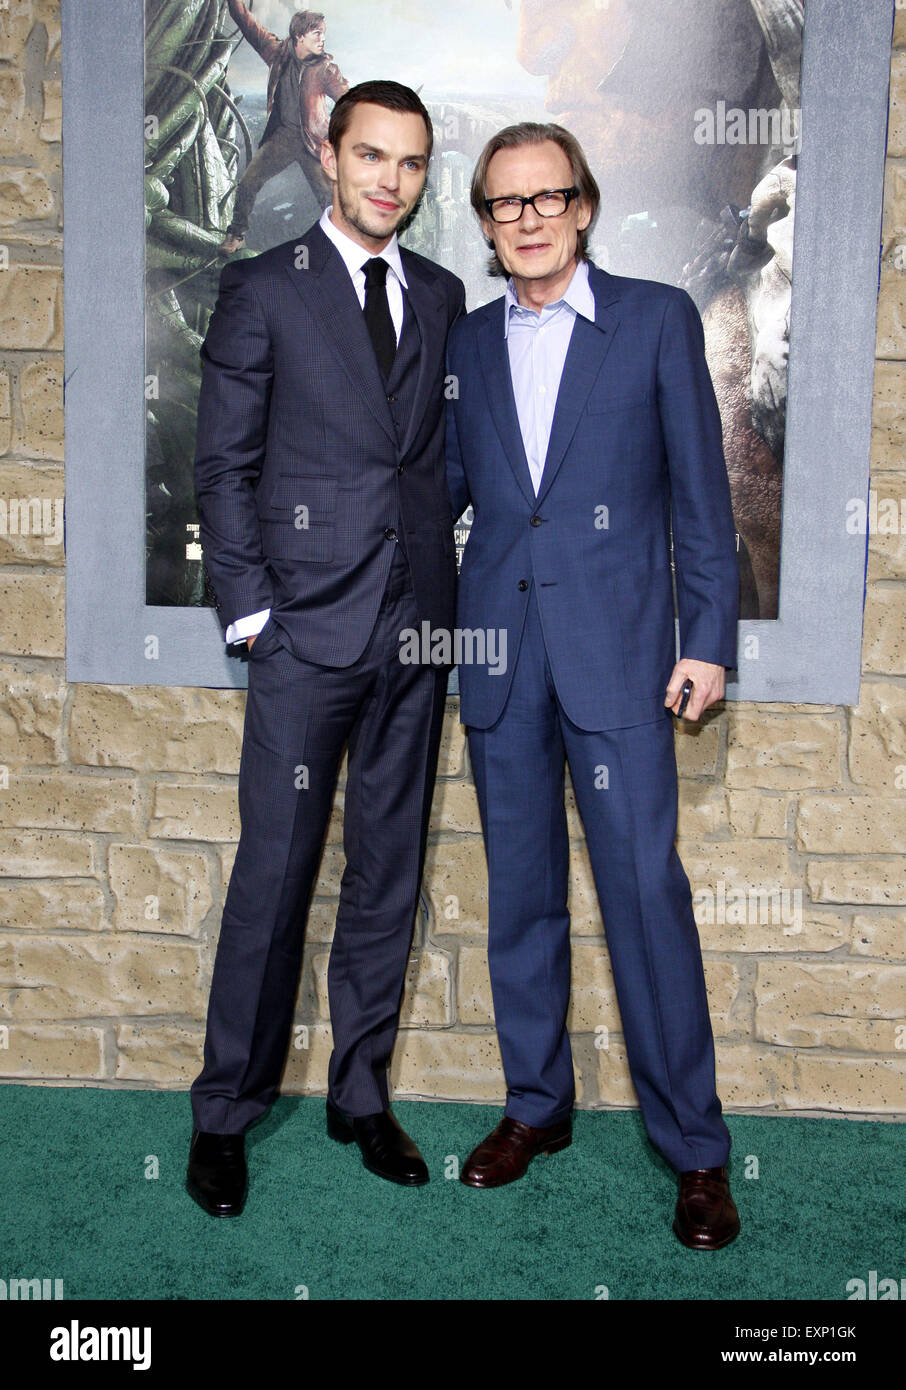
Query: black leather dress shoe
x,y
217,1176
386,1148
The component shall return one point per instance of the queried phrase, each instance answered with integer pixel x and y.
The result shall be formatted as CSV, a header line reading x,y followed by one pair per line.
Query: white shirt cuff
x,y
247,627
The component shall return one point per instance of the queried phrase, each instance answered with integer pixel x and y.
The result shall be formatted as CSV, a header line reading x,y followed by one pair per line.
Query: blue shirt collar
x,y
578,296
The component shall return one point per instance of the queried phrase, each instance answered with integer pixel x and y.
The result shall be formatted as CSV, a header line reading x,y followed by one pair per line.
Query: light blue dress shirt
x,y
537,346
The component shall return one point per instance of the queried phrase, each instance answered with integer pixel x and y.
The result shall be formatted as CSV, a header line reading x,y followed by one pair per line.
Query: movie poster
x,y
688,113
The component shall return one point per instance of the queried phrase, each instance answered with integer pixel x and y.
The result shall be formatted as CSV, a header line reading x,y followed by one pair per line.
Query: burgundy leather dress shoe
x,y
706,1216
509,1149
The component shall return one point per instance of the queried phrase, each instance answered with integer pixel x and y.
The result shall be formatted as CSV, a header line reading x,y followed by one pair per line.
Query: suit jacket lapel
x,y
428,302
326,288
495,361
588,347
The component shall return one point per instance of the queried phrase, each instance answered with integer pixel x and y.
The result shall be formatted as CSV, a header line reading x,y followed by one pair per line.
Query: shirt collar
x,y
578,296
354,255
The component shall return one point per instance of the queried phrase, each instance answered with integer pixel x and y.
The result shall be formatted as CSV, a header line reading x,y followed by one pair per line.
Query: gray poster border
x,y
811,653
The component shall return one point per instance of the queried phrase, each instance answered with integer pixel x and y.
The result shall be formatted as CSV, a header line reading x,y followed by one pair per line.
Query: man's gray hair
x,y
512,137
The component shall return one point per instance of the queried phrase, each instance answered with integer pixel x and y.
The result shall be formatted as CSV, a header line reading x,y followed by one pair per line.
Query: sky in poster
x,y
467,48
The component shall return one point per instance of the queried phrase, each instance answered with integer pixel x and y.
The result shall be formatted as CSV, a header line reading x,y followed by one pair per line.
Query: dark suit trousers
x,y
298,718
626,791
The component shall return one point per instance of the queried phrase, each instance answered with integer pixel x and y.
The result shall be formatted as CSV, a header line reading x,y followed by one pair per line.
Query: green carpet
x,y
827,1207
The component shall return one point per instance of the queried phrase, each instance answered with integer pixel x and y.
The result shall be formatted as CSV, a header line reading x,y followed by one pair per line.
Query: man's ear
x,y
329,160
584,215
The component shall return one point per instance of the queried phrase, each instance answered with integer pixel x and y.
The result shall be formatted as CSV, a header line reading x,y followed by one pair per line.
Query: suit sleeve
x,y
233,404
456,477
459,301
704,533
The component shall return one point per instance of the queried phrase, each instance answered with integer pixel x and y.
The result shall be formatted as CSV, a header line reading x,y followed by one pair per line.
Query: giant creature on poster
x,y
687,112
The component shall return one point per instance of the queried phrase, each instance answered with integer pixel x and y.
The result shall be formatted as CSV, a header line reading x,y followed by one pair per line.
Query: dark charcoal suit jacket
x,y
298,468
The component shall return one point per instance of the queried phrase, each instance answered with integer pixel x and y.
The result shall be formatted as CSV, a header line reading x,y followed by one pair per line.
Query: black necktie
x,y
377,313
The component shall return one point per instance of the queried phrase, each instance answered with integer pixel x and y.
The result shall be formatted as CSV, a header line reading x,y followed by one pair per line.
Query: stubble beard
x,y
355,217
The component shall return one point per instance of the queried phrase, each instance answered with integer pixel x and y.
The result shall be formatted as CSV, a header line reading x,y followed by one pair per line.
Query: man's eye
x,y
509,202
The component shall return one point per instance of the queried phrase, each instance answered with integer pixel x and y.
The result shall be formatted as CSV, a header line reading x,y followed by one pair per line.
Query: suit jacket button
x,y
522,585
392,400
399,469
390,533
535,521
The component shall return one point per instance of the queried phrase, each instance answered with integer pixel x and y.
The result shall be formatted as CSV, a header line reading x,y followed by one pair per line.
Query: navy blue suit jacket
x,y
636,446
294,426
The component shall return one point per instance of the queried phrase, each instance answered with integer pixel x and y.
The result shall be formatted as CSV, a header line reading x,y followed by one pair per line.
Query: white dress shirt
x,y
354,258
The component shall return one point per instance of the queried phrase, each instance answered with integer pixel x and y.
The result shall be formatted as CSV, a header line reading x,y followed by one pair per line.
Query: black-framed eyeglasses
x,y
553,202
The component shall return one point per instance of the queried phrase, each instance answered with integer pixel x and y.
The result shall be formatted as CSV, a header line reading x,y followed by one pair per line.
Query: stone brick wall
x,y
118,817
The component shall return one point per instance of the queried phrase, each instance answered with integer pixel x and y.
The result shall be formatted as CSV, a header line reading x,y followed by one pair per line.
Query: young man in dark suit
x,y
326,531
584,432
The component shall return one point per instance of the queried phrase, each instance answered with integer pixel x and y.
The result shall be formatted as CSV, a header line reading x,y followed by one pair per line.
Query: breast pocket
x,y
298,517
637,400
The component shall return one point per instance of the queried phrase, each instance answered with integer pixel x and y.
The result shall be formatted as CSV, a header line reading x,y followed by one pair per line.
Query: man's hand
x,y
250,640
709,685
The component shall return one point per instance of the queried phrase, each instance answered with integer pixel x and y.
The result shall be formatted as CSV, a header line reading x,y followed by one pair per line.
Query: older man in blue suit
x,y
585,430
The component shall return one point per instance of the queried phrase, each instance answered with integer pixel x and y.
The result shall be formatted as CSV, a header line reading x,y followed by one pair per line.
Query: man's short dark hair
x,y
512,137
302,22
393,96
